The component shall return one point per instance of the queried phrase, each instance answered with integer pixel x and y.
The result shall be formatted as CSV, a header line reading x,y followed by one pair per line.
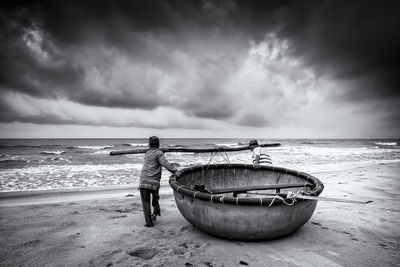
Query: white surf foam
x,y
385,143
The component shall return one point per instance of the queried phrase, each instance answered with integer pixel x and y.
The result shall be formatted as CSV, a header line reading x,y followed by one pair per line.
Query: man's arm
x,y
257,155
164,162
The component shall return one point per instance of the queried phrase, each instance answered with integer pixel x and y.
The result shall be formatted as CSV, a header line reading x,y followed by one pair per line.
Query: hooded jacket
x,y
150,176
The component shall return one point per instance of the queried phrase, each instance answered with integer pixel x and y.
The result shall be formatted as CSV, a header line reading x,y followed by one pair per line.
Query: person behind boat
x,y
258,156
150,177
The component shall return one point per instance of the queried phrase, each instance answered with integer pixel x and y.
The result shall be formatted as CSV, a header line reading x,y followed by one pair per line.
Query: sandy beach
x,y
105,228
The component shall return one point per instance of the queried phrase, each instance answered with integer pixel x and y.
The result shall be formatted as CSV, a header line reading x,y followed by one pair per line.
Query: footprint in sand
x,y
320,225
32,243
179,251
187,228
68,224
171,232
117,217
73,236
143,252
126,210
184,244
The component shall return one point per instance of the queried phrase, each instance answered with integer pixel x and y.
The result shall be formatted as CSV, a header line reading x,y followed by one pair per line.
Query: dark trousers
x,y
146,195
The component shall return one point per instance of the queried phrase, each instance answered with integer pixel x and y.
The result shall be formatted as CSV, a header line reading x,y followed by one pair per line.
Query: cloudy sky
x,y
266,69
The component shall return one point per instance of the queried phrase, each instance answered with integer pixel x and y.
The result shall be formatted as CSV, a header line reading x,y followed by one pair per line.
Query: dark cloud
x,y
126,27
71,49
356,40
45,112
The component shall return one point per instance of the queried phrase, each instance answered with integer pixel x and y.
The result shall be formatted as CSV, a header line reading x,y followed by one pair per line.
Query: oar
x,y
314,198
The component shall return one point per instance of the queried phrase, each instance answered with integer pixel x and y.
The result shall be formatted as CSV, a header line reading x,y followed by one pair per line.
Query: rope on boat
x,y
225,157
275,197
212,155
304,192
290,195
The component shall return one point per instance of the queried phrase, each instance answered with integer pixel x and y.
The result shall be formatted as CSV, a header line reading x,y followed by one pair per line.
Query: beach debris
x,y
209,263
188,264
130,195
243,263
383,245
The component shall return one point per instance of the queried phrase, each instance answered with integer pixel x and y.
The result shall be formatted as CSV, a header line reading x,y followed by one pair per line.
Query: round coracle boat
x,y
240,202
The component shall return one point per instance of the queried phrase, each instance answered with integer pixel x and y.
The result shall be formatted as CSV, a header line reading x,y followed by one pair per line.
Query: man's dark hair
x,y
154,142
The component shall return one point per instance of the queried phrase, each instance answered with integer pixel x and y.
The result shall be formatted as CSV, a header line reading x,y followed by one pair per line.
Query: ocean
x,y
37,164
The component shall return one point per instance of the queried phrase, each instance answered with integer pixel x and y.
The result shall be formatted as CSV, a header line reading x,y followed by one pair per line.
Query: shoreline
x,y
49,196
164,184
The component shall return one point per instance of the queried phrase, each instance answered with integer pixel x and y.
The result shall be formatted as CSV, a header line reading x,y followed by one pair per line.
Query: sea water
x,y
33,164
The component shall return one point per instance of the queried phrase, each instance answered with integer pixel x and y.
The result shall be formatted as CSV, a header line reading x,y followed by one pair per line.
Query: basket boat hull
x,y
242,218
244,222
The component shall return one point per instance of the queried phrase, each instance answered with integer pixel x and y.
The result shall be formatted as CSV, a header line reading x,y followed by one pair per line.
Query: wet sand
x,y
105,228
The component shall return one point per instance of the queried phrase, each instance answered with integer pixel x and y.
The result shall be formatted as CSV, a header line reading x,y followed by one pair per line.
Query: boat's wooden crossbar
x,y
244,189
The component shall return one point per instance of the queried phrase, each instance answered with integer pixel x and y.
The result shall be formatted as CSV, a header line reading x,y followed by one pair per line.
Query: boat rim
x,y
316,185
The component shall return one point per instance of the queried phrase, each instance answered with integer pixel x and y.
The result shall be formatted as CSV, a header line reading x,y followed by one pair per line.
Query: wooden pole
x,y
314,198
191,149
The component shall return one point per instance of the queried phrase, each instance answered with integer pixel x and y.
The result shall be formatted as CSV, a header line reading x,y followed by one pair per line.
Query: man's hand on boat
x,y
256,165
178,173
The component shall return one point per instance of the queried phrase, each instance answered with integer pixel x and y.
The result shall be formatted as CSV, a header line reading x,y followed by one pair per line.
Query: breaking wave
x,y
385,143
136,144
57,152
229,145
94,147
175,145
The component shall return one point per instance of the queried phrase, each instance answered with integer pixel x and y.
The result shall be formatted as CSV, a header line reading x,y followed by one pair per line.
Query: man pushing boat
x,y
150,177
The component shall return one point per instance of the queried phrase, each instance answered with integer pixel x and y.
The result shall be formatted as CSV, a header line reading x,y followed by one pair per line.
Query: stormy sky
x,y
266,69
